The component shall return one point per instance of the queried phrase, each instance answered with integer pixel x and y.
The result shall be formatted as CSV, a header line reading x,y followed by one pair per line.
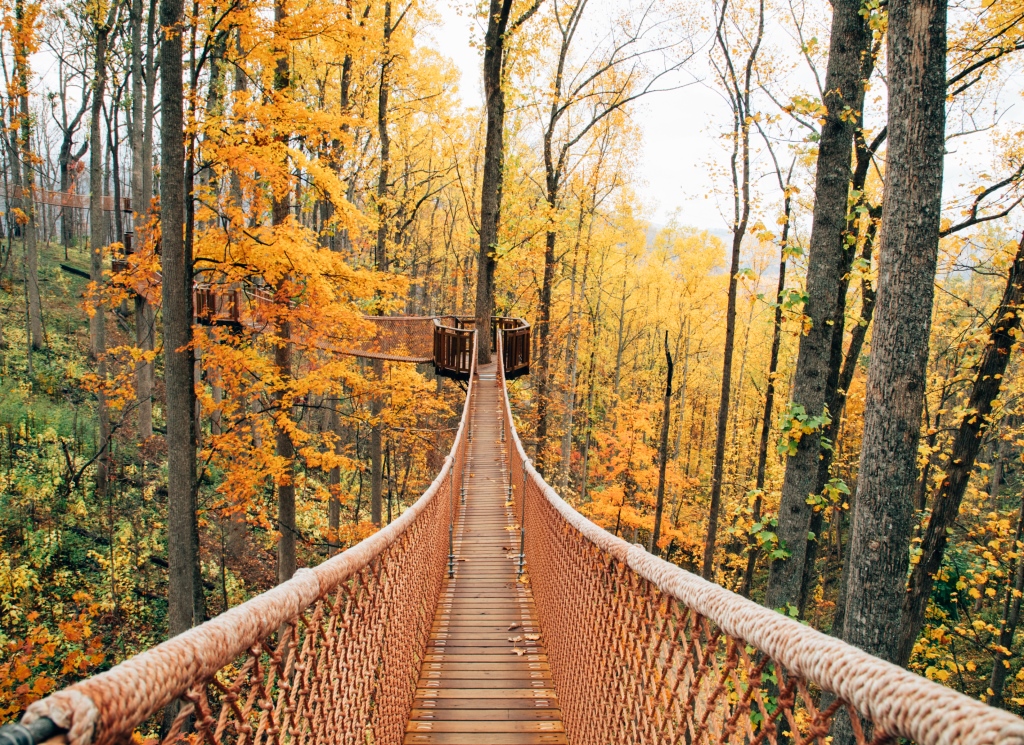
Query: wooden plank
x,y
469,715
482,693
474,689
478,659
514,672
467,704
502,682
478,725
491,738
512,663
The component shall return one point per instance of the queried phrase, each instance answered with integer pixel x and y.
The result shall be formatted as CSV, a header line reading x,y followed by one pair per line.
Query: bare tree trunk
x,y
381,261
857,338
911,211
718,465
963,454
572,356
97,325
1001,453
494,164
544,335
840,370
144,315
1011,618
666,416
334,479
769,395
494,156
850,41
148,114
284,447
29,229
182,529
739,94
685,331
113,148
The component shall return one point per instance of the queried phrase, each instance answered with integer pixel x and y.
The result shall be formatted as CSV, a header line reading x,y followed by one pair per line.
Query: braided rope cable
x,y
330,656
642,651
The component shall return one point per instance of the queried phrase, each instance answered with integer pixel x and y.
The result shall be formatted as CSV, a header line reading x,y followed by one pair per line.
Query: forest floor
x,y
82,575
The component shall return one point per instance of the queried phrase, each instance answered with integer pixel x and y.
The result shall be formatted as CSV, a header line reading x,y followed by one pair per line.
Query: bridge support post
x,y
501,418
451,521
522,523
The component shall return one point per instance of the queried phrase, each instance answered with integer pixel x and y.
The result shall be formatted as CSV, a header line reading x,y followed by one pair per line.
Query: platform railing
x,y
453,350
642,651
451,345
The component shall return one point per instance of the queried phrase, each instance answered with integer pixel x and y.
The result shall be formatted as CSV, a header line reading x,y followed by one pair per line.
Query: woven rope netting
x,y
397,338
642,651
331,656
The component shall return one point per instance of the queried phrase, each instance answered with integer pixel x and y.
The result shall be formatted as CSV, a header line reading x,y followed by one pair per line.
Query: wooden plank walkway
x,y
477,687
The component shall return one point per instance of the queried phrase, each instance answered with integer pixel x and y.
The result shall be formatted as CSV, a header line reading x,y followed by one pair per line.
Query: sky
x,y
680,131
672,174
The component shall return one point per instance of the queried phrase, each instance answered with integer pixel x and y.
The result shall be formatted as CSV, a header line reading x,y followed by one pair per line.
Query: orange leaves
x,y
36,663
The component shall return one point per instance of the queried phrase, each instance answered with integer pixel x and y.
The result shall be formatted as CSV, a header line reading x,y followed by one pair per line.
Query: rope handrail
x,y
66,198
644,651
331,655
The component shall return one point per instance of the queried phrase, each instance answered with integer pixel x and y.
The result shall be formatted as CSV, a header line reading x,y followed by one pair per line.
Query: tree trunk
x,y
883,513
718,467
284,447
182,529
381,263
739,93
840,370
963,454
1011,618
113,148
572,358
684,331
148,114
1001,452
334,483
857,338
666,415
769,396
544,338
850,41
29,229
144,315
491,189
620,341
97,235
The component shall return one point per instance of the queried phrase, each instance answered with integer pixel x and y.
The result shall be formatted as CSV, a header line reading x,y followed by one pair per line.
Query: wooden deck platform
x,y
485,678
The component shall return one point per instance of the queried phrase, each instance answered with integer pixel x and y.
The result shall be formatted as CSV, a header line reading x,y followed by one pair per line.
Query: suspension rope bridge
x,y
492,612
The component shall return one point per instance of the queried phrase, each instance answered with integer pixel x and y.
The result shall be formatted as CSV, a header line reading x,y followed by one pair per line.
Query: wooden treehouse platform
x,y
485,678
